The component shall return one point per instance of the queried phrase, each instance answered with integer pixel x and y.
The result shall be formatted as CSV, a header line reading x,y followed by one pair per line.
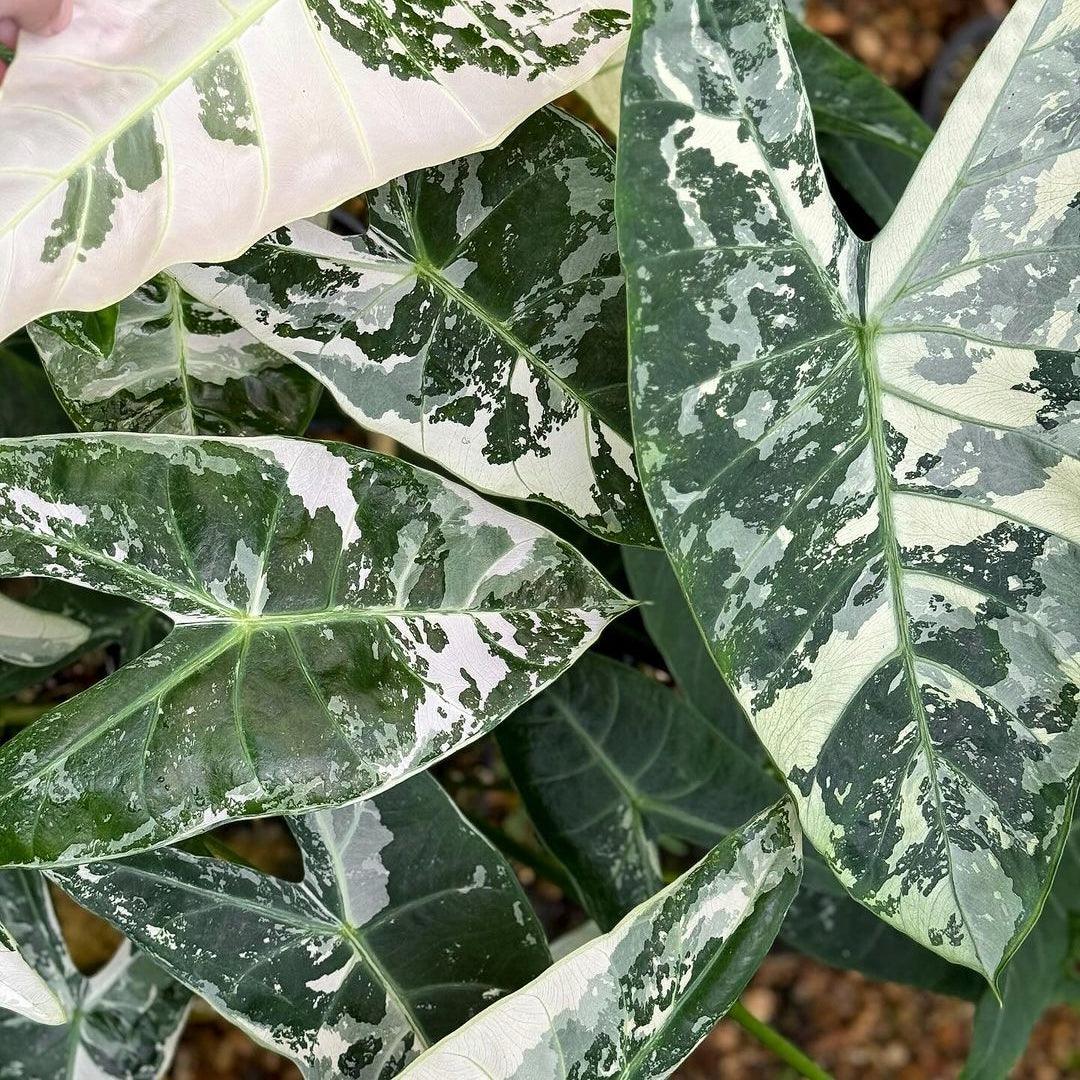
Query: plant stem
x,y
6,54
774,1041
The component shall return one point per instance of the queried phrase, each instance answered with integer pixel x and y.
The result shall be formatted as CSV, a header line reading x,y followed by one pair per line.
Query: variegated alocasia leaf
x,y
122,152
121,1024
29,972
162,362
341,620
33,638
869,136
406,924
863,462
608,760
126,627
481,320
633,1003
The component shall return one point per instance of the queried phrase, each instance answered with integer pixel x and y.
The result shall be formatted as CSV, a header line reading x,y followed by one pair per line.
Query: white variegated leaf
x,y
481,320
122,1023
863,461
152,132
33,638
162,362
405,924
632,1003
342,619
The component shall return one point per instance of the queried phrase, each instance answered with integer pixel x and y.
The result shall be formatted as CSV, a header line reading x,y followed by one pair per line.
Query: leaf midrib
x,y
890,548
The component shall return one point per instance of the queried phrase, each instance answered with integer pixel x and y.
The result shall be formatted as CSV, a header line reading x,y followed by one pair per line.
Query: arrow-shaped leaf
x,y
126,151
162,362
342,619
121,1024
406,923
481,320
864,465
607,760
633,1003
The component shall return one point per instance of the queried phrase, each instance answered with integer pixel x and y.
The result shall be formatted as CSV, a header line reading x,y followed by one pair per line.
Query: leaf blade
x,y
401,615
193,158
348,999
572,1019
480,320
865,664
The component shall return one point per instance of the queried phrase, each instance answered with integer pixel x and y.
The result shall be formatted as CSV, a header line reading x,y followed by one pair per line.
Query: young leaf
x,y
607,760
481,320
863,466
163,362
110,621
870,138
406,923
633,1003
130,144
342,620
121,1024
33,638
1043,973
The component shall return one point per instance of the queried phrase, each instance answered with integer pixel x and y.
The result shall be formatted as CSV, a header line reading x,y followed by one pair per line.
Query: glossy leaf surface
x,y
342,620
607,760
863,463
632,1003
124,152
122,1023
162,362
406,924
481,320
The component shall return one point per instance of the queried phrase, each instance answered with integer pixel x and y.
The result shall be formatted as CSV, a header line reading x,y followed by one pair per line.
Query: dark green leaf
x,y
607,760
869,136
